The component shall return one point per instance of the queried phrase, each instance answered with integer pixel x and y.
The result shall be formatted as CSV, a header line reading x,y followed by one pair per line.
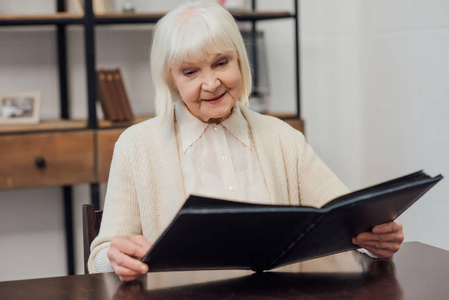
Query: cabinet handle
x,y
40,162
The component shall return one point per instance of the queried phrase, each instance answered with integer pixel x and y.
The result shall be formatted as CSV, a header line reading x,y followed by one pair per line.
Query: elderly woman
x,y
205,141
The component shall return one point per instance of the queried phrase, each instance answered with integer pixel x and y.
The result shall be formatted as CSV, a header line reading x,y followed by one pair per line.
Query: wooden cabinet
x,y
56,158
105,147
46,159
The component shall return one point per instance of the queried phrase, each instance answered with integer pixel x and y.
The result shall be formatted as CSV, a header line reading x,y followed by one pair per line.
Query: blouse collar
x,y
190,128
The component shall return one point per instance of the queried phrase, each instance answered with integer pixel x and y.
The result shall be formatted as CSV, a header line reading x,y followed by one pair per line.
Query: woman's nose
x,y
210,82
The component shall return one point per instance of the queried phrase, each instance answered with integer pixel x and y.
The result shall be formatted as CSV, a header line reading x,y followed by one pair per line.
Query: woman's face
x,y
210,87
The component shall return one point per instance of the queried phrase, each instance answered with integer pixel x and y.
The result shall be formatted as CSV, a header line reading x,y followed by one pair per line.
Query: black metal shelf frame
x,y
110,19
67,190
36,21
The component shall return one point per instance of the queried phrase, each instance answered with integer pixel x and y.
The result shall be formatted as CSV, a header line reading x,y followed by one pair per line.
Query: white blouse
x,y
219,160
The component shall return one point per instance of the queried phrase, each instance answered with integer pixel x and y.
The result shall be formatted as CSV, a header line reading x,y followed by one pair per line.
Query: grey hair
x,y
194,30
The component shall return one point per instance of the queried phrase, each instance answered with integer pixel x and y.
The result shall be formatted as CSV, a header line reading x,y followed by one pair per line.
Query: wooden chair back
x,y
91,226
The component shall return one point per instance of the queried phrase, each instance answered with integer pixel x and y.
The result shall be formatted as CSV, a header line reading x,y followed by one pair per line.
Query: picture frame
x,y
20,108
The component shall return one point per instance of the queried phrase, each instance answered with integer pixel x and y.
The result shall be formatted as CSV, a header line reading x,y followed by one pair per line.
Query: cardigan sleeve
x,y
317,183
293,168
121,209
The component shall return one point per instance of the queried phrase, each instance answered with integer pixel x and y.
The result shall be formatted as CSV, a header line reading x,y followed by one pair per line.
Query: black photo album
x,y
212,233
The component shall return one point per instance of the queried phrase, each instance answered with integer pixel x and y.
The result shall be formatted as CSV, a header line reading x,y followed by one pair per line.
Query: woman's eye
x,y
223,62
188,73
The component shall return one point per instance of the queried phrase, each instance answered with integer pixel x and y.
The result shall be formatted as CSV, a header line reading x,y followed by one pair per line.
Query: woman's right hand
x,y
124,254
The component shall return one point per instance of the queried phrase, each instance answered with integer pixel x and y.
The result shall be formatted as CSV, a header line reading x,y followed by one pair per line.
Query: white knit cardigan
x,y
145,188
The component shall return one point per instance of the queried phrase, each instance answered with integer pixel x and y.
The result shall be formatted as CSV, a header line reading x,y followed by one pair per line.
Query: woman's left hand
x,y
383,241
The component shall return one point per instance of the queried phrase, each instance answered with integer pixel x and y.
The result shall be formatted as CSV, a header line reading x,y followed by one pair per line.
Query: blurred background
x,y
374,97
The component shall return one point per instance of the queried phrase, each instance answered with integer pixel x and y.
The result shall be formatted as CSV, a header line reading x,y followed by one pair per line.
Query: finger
x,y
143,245
379,253
121,259
386,237
126,274
123,271
127,245
390,246
387,227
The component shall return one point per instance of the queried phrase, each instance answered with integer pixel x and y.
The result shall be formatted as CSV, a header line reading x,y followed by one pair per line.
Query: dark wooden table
x,y
418,271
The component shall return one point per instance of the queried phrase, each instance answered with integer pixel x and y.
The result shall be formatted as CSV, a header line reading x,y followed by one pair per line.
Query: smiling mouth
x,y
215,99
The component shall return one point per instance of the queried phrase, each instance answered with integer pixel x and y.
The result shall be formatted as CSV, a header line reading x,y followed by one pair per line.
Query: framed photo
x,y
23,108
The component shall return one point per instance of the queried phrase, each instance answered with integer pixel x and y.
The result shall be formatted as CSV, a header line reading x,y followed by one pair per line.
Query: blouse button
x,y
232,188
215,128
224,158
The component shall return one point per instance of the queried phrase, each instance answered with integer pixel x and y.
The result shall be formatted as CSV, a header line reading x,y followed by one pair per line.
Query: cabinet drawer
x,y
105,147
44,159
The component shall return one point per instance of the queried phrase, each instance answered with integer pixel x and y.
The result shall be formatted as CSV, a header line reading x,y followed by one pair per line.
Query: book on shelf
x,y
113,96
104,95
212,233
101,6
122,94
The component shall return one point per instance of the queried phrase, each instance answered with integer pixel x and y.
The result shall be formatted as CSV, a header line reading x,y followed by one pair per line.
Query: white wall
x,y
374,96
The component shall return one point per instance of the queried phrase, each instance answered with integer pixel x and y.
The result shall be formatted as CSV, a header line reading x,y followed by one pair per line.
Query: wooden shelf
x,y
290,118
105,124
80,124
261,15
66,125
45,19
124,18
44,126
133,18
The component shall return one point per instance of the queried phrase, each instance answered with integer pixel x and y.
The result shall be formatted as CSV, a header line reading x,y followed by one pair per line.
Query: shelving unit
x,y
99,135
121,18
